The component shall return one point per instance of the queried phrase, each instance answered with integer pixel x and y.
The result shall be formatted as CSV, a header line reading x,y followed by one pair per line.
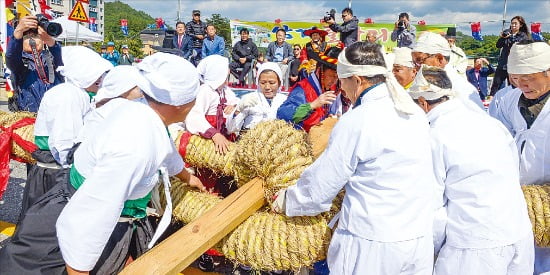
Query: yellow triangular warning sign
x,y
78,13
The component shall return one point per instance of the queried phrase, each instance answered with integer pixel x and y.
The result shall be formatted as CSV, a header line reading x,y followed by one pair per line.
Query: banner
x,y
262,33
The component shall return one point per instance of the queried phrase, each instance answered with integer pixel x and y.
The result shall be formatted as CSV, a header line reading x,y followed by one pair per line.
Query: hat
x,y
110,43
196,12
170,79
273,67
403,57
118,81
529,58
213,70
314,29
104,46
329,58
432,43
422,88
82,66
451,32
124,47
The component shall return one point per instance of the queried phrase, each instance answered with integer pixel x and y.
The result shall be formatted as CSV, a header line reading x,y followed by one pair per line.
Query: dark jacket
x,y
245,49
193,29
123,60
272,47
348,31
29,88
505,44
481,82
186,45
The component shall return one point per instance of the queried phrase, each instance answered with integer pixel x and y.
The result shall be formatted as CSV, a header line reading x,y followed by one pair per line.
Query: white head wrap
x,y
213,70
119,80
273,67
82,66
422,88
529,59
401,101
403,57
432,43
170,79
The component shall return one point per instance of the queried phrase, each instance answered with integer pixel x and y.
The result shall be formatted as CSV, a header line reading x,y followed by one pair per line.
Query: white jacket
x,y
535,141
119,164
60,118
383,160
252,115
485,204
464,89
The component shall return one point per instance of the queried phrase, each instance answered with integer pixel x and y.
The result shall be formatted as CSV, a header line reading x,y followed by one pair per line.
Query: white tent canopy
x,y
69,31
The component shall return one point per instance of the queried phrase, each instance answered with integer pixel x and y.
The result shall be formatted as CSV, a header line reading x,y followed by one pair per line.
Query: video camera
x,y
329,15
401,24
53,29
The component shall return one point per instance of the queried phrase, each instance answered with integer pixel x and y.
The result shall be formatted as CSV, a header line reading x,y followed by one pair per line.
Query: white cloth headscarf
x,y
82,66
273,67
401,100
213,70
432,43
118,81
529,59
403,57
422,88
170,79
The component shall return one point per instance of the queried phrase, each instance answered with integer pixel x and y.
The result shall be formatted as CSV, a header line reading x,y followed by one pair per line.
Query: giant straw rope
x,y
538,207
7,119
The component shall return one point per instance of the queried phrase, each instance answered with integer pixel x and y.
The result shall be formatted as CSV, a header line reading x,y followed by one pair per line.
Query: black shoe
x,y
243,270
206,263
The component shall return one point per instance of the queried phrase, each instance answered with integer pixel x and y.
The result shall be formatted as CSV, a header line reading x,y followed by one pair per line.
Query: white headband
x,y
529,59
401,101
422,88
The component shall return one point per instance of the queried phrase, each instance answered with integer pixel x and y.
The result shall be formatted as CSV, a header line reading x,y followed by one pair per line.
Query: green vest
x,y
132,208
42,142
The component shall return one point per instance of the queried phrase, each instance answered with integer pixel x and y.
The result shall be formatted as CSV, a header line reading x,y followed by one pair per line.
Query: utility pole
x,y
179,8
504,16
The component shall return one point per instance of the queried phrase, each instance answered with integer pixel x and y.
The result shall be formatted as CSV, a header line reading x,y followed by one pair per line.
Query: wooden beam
x,y
183,247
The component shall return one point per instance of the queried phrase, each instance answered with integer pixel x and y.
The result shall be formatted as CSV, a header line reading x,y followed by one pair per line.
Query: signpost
x,y
79,14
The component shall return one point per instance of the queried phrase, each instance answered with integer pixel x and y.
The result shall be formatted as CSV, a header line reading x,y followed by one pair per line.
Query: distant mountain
x,y
114,11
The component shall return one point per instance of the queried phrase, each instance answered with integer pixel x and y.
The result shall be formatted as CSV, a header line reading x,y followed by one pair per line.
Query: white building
x,y
95,9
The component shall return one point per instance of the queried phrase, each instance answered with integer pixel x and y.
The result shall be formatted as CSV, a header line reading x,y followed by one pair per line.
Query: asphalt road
x,y
10,204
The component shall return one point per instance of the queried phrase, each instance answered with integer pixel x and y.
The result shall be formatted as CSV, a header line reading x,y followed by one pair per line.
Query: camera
x,y
329,15
401,24
53,29
506,32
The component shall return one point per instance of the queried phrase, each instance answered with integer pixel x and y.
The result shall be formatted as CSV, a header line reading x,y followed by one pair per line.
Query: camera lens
x,y
53,29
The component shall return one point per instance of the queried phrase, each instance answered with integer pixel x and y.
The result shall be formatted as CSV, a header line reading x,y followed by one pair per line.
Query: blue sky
x,y
433,12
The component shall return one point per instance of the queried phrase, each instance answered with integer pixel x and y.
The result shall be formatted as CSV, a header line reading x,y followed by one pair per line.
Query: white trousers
x,y
349,254
514,259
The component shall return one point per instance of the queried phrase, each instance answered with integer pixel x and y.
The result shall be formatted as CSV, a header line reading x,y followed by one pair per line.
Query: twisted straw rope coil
x,y
538,207
26,132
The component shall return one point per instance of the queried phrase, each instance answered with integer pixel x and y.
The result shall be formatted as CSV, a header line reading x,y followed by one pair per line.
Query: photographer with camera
x,y
516,33
403,32
33,57
348,30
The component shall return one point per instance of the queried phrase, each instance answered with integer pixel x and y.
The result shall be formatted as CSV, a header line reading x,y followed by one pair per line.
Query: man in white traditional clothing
x,y
261,105
60,118
433,50
525,113
386,216
403,67
487,226
104,222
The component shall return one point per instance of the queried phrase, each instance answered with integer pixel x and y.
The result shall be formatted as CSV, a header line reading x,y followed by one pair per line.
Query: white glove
x,y
279,202
247,102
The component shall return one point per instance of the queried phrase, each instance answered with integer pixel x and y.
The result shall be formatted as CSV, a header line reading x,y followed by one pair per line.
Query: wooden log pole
x,y
183,247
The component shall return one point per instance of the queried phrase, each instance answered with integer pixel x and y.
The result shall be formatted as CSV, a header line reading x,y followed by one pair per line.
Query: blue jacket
x,y
348,31
215,46
112,57
481,83
186,45
28,86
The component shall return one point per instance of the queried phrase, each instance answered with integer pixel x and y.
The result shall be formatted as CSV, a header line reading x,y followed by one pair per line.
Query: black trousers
x,y
498,80
39,179
34,248
233,66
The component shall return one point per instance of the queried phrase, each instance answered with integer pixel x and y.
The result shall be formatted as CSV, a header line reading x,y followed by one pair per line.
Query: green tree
x,y
473,48
222,27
